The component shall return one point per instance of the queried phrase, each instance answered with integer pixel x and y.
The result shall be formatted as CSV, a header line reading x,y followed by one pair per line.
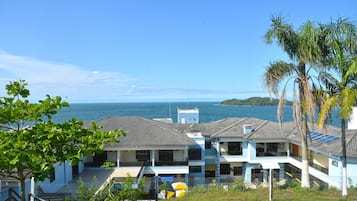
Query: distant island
x,y
255,101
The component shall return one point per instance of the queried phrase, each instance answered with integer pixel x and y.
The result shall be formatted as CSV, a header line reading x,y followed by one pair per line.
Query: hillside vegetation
x,y
255,101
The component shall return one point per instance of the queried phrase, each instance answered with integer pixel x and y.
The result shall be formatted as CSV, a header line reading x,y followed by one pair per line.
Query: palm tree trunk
x,y
344,158
305,179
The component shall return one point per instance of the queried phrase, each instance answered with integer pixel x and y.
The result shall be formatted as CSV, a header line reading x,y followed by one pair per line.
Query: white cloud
x,y
67,80
78,84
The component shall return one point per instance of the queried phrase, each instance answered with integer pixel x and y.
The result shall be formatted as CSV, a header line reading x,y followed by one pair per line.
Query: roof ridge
x,y
159,125
228,127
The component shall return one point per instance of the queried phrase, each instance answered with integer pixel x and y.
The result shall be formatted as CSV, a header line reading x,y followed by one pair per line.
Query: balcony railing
x,y
259,154
311,164
317,167
157,163
230,153
171,163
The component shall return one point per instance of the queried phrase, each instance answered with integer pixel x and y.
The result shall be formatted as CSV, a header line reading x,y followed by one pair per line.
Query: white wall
x,y
352,123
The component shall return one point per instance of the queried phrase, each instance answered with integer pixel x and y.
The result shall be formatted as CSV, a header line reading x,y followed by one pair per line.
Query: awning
x,y
123,172
270,165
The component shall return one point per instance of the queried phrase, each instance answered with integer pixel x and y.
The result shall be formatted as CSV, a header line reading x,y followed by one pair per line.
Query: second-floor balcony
x,y
262,154
157,163
311,164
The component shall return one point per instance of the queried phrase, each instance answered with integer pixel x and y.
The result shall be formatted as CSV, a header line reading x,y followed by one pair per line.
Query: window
x,y
234,148
272,147
143,155
195,169
166,155
225,169
237,171
260,147
194,154
208,144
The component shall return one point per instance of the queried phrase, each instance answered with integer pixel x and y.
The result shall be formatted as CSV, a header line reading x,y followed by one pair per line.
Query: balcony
x,y
157,163
269,154
311,164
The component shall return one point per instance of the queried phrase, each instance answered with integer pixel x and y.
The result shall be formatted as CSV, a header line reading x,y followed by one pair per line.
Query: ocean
x,y
209,111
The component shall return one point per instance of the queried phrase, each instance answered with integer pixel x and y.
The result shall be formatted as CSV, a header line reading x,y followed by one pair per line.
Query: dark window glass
x,y
195,169
225,169
143,155
166,155
234,148
208,144
237,171
260,147
194,154
272,147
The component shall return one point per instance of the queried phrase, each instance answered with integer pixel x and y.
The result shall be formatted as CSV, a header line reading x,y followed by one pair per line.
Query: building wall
x,y
248,171
188,116
352,173
352,123
198,177
251,149
63,175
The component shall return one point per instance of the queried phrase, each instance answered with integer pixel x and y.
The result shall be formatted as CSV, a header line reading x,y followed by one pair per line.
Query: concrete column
x,y
352,123
118,158
265,176
153,158
218,168
185,153
248,173
281,171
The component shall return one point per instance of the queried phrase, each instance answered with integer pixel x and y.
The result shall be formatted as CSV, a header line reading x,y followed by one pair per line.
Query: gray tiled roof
x,y
233,127
334,147
142,132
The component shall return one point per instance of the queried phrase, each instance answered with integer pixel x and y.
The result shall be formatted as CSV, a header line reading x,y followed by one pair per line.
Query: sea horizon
x,y
208,111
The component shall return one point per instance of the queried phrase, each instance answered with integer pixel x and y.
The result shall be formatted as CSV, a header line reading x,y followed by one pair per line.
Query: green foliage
x,y
127,192
108,164
85,193
256,101
286,194
239,185
31,143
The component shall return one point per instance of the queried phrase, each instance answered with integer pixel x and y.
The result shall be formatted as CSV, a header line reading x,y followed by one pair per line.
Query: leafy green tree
x,y
302,47
341,92
31,143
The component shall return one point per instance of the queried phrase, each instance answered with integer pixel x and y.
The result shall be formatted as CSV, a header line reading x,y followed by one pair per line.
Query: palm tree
x,y
304,51
341,40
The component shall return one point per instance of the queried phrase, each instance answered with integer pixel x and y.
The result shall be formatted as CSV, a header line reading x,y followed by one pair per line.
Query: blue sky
x,y
148,50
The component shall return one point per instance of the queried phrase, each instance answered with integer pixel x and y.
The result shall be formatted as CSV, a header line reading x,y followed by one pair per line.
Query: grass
x,y
261,194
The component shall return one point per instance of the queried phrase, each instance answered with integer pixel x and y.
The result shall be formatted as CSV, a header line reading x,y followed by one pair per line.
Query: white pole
x,y
32,189
270,185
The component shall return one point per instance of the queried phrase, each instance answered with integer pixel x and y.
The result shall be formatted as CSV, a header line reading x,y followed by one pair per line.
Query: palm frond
x,y
297,111
284,34
309,50
328,105
347,100
275,74
281,104
351,71
330,83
